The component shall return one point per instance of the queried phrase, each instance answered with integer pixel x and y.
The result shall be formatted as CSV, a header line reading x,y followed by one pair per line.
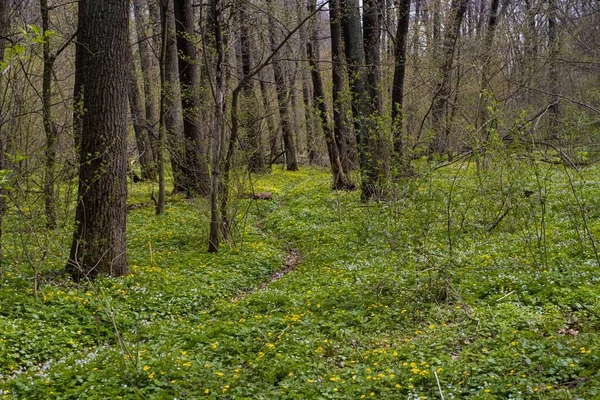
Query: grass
x,y
468,285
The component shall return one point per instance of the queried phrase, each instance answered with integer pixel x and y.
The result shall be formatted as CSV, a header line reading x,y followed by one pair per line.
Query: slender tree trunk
x,y
197,177
49,126
307,96
138,118
256,163
78,89
99,240
372,44
173,115
282,93
148,73
485,92
162,129
215,185
399,75
440,144
553,76
340,181
4,24
273,133
340,127
309,124
530,50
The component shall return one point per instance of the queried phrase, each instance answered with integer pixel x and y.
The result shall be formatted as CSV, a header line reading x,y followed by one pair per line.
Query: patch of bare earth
x,y
292,259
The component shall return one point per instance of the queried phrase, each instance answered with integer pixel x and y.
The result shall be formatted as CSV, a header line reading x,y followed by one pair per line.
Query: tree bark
x,y
340,181
340,127
4,24
399,75
138,118
553,45
197,177
256,163
273,133
218,211
441,127
49,126
162,128
361,106
148,74
372,44
78,89
485,121
99,241
173,113
308,98
288,140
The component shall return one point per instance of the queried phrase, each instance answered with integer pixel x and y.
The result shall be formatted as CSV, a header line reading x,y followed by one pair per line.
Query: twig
x,y
438,384
505,296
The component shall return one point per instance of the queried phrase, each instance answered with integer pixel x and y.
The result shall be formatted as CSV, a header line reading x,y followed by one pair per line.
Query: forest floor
x,y
467,285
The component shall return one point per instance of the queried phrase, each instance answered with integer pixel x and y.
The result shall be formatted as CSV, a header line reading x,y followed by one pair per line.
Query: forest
x,y
299,199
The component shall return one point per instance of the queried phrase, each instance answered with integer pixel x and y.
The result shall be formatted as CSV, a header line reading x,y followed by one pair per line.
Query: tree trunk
x,y
282,92
398,85
162,128
49,126
173,115
256,163
273,133
372,44
148,73
4,23
197,177
441,127
361,106
216,215
485,90
340,127
138,118
307,96
340,181
553,46
99,240
78,89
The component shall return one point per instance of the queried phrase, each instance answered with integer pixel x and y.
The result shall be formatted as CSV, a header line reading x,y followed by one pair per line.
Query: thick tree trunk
x,y
138,118
340,181
361,106
197,177
282,93
399,75
99,240
441,127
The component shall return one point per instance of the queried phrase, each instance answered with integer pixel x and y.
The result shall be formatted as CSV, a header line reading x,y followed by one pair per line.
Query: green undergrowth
x,y
467,284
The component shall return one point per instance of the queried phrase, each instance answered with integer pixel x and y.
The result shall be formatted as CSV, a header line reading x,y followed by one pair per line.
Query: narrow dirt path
x,y
292,259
